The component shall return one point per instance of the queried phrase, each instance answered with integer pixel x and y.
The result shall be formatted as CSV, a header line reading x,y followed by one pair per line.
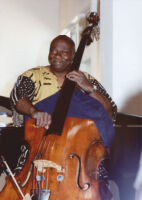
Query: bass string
x,y
50,145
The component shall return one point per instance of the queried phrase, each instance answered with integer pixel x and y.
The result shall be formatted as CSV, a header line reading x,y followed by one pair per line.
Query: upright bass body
x,y
67,168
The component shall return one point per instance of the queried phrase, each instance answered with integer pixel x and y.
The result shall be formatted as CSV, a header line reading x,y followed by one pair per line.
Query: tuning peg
x,y
93,18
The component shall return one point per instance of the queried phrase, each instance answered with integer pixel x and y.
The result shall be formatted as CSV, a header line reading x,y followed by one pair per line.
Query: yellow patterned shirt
x,y
45,83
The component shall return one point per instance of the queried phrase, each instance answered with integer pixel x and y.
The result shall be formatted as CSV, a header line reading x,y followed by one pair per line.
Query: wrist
x,y
91,91
32,111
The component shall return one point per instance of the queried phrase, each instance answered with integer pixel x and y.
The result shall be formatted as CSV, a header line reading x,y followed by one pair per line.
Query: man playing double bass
x,y
40,83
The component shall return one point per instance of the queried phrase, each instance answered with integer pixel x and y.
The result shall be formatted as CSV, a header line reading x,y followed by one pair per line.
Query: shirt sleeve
x,y
103,92
23,88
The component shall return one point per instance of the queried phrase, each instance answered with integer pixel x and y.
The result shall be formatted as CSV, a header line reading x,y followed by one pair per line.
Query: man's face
x,y
61,55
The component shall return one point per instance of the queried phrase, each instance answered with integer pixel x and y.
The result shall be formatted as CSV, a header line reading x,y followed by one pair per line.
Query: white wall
x,y
121,47
127,63
27,27
106,44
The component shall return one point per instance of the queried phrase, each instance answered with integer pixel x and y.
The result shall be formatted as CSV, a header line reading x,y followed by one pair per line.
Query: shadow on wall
x,y
133,104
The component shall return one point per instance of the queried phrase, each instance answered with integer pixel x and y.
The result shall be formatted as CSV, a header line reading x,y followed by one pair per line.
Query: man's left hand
x,y
80,79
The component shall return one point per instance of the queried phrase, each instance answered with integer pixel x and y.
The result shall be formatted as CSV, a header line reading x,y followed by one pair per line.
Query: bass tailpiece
x,y
40,189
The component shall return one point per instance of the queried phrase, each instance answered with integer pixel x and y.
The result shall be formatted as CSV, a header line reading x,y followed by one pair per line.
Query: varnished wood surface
x,y
58,150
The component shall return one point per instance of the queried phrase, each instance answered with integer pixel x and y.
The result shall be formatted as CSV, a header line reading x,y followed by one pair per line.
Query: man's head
x,y
61,54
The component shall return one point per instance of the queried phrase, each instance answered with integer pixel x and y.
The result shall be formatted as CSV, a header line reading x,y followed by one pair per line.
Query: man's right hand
x,y
43,119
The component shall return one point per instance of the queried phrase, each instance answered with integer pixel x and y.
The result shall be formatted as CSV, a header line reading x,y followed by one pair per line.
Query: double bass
x,y
63,161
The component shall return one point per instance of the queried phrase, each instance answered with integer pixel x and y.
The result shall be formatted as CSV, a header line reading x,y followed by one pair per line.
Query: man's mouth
x,y
57,62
